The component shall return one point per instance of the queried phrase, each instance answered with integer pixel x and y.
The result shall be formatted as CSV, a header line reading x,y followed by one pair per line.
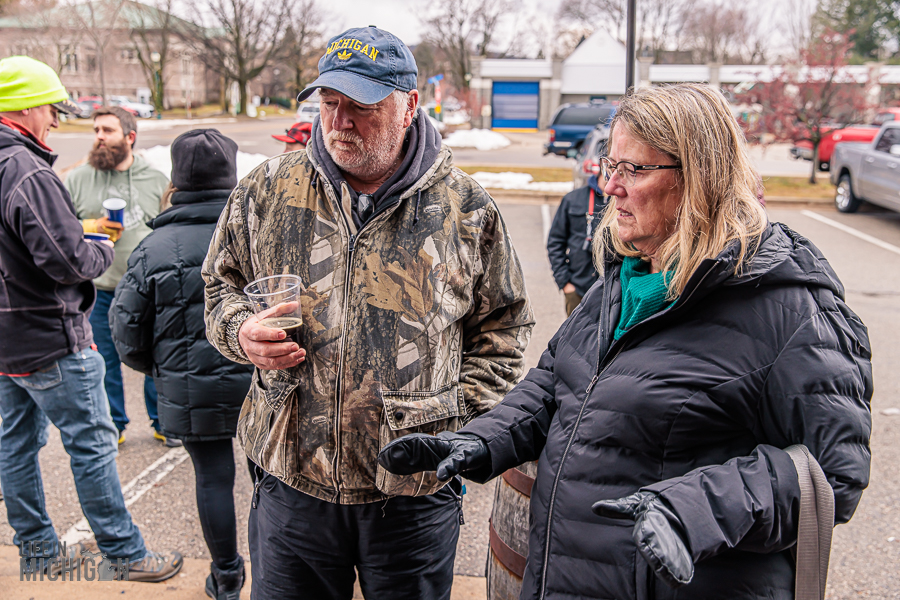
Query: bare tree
x,y
98,20
715,28
462,29
239,38
658,23
152,36
797,23
302,42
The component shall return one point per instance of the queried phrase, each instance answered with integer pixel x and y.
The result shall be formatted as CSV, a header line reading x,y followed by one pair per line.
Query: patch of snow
x,y
160,158
456,118
152,124
480,139
520,181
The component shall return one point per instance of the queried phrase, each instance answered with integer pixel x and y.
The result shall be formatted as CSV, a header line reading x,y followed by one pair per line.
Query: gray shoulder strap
x,y
816,525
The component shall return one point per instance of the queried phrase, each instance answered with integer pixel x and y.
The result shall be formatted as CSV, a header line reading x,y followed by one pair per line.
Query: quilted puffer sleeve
x,y
131,315
817,393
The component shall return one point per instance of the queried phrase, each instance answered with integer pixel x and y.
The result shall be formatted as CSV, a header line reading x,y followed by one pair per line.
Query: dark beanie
x,y
204,159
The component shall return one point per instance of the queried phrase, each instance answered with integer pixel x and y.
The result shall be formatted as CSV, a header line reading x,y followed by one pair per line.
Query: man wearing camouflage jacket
x,y
415,319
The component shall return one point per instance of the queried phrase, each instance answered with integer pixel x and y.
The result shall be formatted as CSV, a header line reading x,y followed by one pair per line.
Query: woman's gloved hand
x,y
658,533
103,225
447,453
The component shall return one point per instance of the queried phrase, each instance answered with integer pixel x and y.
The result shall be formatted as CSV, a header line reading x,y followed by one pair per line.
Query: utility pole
x,y
629,45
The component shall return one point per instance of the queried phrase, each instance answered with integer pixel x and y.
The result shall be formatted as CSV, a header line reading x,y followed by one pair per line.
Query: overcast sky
x,y
401,17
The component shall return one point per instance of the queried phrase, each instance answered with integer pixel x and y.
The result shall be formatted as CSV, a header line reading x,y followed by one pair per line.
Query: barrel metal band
x,y
519,480
508,557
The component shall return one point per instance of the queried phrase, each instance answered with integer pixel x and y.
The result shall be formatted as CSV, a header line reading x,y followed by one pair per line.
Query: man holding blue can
x,y
117,193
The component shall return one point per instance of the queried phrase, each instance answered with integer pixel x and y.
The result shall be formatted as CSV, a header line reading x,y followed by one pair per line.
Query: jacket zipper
x,y
601,368
339,381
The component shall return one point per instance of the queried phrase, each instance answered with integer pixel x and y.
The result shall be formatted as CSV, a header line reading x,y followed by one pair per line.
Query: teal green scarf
x,y
643,294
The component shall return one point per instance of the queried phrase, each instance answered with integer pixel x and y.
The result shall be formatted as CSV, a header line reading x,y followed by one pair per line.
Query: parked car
x,y
572,123
802,149
86,109
307,112
138,109
587,161
868,172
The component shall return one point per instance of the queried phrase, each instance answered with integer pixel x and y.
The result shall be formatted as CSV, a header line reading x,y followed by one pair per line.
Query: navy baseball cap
x,y
365,64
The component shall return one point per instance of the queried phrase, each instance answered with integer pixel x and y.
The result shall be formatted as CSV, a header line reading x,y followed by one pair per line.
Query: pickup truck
x,y
572,123
868,172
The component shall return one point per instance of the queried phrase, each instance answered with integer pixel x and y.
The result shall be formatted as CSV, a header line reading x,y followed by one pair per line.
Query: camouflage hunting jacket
x,y
416,323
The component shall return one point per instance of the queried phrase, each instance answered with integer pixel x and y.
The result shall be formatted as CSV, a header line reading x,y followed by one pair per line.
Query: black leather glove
x,y
447,453
658,533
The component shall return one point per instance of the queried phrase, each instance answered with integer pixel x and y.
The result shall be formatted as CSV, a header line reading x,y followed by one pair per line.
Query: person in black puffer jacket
x,y
158,328
661,410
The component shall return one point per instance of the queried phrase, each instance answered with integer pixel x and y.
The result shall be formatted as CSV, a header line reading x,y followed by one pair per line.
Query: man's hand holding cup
x,y
271,337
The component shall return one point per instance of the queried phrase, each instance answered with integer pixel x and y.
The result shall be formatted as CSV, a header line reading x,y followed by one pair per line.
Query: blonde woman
x,y
660,410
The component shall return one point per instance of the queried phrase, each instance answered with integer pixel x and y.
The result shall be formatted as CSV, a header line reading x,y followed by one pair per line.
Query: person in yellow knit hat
x,y
50,370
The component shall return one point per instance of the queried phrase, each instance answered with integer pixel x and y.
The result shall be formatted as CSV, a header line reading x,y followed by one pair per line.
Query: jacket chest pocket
x,y
275,387
417,412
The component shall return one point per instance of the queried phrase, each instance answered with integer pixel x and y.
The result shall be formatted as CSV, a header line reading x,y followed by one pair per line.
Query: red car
x,y
851,133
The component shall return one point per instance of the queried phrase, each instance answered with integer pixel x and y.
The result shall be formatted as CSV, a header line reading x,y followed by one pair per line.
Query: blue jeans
x,y
68,393
113,381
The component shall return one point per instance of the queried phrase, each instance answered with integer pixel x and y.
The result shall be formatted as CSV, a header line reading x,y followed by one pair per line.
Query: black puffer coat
x,y
696,403
158,327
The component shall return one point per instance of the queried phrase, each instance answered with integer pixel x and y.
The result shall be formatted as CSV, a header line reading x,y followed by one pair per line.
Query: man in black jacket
x,y
50,370
569,242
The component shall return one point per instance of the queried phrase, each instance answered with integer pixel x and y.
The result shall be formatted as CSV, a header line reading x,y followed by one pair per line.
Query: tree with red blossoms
x,y
807,96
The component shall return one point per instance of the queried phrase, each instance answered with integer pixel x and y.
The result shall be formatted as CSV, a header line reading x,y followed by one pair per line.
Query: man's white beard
x,y
368,159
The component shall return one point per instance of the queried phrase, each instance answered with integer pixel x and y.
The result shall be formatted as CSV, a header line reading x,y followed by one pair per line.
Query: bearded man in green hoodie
x,y
114,171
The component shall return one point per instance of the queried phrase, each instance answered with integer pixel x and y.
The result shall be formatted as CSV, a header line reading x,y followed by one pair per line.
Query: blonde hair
x,y
693,124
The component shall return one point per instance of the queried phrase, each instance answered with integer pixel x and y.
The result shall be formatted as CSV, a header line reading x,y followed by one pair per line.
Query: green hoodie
x,y
141,186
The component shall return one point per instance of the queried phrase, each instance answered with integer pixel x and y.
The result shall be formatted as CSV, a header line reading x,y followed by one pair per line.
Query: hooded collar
x,y
200,207
422,145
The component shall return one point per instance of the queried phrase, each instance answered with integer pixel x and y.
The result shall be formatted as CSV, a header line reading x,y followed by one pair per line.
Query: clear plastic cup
x,y
275,291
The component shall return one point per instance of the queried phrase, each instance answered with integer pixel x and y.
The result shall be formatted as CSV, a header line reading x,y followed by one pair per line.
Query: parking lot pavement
x,y
866,551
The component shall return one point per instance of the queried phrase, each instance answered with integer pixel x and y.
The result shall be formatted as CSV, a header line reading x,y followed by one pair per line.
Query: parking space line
x,y
133,490
854,232
545,217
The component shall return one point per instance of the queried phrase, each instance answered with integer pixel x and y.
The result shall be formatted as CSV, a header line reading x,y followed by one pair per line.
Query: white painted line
x,y
851,231
545,217
133,490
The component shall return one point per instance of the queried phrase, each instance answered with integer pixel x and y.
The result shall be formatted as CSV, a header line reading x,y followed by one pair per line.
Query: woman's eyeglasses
x,y
626,170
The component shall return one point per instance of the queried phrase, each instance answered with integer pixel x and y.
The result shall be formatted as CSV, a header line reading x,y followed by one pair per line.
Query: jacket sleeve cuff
x,y
231,334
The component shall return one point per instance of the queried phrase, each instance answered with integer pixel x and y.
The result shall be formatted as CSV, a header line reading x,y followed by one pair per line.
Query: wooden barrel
x,y
509,533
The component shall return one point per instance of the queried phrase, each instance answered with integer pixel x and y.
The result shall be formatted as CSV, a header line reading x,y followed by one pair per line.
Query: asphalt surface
x,y
866,551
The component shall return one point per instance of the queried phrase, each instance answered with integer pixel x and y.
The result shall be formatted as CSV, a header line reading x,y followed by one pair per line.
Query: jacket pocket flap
x,y
410,409
276,386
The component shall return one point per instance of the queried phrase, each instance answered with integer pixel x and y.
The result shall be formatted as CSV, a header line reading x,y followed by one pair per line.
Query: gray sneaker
x,y
155,567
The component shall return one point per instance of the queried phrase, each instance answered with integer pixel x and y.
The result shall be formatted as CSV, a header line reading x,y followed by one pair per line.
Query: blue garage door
x,y
515,105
